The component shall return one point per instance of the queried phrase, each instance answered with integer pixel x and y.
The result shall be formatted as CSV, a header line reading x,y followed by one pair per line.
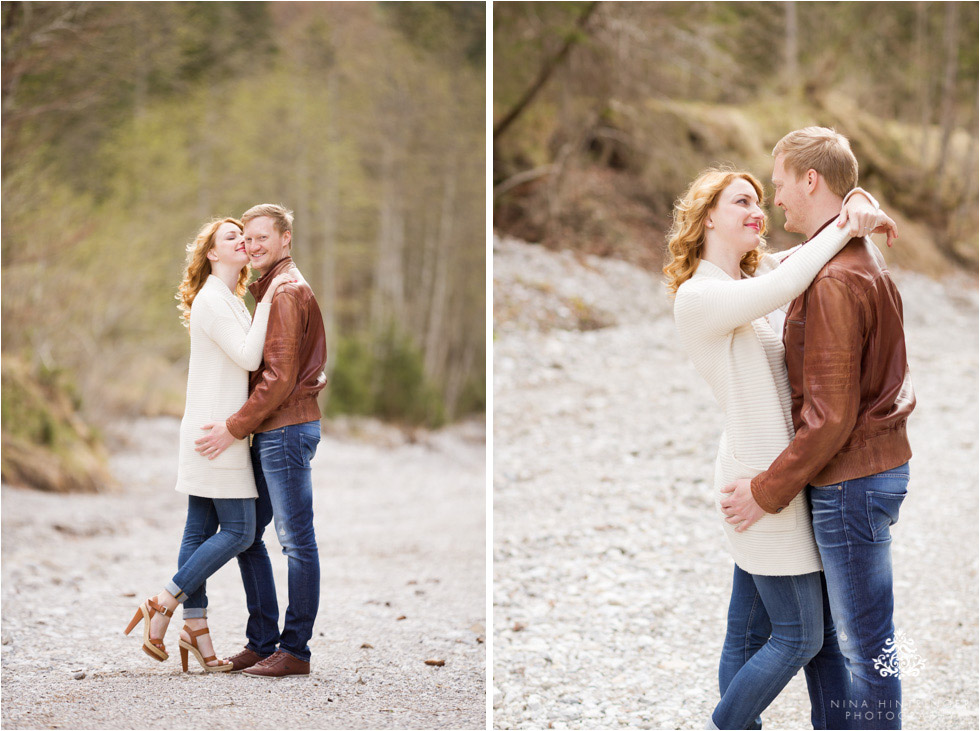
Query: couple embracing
x,y
805,353
250,428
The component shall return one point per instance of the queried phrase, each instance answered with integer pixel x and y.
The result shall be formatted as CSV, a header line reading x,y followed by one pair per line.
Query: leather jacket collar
x,y
260,285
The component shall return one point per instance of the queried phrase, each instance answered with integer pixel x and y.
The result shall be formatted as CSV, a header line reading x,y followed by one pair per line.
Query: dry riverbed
x,y
400,528
610,578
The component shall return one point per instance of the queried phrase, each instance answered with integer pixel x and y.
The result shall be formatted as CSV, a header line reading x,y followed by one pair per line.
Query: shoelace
x,y
271,660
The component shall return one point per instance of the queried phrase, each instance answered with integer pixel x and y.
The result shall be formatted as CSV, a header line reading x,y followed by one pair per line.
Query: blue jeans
x,y
281,462
777,625
851,522
204,549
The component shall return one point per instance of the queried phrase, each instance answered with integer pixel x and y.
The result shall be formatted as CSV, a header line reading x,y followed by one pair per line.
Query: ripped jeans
x,y
281,462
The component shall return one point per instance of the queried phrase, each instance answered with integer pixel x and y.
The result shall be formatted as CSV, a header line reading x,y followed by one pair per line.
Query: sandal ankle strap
x,y
159,608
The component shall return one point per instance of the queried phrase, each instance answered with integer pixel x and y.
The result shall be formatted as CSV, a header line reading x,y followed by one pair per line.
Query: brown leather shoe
x,y
245,659
279,665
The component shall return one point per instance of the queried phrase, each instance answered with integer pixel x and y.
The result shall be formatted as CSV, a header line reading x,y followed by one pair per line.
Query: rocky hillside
x,y
607,185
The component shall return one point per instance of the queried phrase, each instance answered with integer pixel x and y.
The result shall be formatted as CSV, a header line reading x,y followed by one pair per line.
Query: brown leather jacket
x,y
283,390
849,376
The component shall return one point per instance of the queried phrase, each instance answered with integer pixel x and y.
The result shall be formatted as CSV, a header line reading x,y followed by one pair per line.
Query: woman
x,y
726,291
225,345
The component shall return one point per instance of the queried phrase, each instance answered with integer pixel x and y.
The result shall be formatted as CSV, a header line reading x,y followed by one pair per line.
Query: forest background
x,y
605,112
126,126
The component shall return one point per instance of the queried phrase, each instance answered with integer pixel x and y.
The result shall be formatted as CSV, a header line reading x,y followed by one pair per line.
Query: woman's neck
x,y
726,259
226,273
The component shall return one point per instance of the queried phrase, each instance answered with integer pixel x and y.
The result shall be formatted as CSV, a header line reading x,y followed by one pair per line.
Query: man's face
x,y
790,196
264,244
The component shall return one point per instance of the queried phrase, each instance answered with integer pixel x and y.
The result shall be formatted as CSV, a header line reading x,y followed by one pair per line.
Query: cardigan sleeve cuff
x,y
866,194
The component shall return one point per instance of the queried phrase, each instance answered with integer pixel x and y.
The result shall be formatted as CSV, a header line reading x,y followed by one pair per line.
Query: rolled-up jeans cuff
x,y
195,613
178,594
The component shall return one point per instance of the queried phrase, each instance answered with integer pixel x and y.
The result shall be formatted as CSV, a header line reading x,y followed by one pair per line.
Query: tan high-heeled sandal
x,y
191,646
152,646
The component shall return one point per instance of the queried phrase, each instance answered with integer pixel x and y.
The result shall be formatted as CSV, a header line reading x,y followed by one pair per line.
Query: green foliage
x,y
473,399
45,444
384,376
349,385
126,126
26,412
441,26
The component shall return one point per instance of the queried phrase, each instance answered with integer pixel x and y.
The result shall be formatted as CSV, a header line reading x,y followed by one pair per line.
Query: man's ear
x,y
287,239
812,178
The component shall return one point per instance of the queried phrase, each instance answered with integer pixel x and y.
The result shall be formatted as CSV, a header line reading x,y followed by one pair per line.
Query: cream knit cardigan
x,y
722,326
225,345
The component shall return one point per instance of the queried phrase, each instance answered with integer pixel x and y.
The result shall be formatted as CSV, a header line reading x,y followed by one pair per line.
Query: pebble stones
x,y
611,581
383,514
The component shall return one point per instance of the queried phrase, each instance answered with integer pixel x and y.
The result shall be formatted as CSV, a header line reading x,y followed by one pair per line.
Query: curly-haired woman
x,y
226,343
728,294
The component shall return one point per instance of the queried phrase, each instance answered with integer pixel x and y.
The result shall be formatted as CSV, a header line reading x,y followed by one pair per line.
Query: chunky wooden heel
x,y
191,646
152,646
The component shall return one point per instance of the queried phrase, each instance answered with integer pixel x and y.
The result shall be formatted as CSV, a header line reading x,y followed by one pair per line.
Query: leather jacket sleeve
x,y
834,327
279,368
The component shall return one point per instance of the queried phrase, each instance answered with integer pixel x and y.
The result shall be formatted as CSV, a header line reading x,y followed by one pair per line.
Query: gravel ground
x,y
401,535
610,578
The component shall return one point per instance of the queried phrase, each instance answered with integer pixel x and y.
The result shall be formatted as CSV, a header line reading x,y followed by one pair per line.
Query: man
x,y
852,395
283,415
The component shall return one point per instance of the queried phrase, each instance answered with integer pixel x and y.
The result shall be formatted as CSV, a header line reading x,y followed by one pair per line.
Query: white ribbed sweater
x,y
225,345
722,326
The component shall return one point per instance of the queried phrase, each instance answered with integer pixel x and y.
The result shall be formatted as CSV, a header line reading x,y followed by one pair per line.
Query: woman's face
x,y
737,220
229,246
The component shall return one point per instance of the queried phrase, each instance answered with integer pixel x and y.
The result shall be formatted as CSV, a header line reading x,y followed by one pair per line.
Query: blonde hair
x,y
198,268
685,241
821,149
282,218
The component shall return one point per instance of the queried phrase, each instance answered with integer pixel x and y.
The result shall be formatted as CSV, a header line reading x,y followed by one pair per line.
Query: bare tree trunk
x,y
300,194
388,297
545,73
452,370
969,169
456,380
331,205
792,50
949,91
204,159
436,334
923,68
430,256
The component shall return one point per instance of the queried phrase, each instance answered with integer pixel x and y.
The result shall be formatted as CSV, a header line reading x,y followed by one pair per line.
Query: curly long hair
x,y
198,268
685,242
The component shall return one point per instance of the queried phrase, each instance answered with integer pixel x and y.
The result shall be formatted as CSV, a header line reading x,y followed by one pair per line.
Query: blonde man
x,y
852,395
283,416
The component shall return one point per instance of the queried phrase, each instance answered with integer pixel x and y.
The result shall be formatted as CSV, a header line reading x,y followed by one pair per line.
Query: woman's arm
x,y
245,349
726,305
224,328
